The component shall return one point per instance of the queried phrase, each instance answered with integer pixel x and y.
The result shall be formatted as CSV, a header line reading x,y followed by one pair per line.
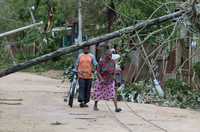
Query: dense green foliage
x,y
15,14
177,94
180,94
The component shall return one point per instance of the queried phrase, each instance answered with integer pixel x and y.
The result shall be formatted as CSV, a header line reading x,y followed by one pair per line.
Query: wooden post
x,y
190,60
80,35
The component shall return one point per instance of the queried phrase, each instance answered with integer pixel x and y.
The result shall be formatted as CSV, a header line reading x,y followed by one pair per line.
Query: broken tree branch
x,y
109,36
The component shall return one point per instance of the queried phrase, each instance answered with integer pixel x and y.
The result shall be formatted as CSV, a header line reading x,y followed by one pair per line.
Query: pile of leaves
x,y
140,92
177,94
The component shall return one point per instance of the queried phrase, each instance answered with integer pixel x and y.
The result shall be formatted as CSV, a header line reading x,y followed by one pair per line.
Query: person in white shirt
x,y
118,71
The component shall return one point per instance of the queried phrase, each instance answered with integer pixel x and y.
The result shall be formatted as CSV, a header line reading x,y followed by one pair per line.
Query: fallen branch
x,y
158,48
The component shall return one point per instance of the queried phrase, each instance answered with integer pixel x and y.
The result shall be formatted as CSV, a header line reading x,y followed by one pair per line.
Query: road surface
x,y
32,103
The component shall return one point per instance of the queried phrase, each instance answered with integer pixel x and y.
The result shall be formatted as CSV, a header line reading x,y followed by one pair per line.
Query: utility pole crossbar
x,y
20,29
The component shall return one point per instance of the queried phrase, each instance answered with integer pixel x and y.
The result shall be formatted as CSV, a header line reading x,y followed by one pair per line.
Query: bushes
x,y
179,94
174,87
136,92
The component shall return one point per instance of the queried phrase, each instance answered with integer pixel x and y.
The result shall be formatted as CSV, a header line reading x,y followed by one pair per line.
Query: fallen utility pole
x,y
109,36
20,29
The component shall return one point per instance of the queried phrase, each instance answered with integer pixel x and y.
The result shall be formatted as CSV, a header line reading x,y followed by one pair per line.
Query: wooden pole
x,y
80,26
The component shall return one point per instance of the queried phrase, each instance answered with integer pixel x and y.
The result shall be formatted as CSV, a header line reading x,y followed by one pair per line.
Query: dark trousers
x,y
84,90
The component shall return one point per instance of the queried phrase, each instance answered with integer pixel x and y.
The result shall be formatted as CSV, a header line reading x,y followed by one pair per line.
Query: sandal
x,y
118,110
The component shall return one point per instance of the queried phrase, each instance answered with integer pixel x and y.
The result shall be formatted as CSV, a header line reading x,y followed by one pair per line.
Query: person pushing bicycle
x,y
85,66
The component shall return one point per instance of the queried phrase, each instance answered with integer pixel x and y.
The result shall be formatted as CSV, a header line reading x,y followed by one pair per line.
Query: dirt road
x,y
32,103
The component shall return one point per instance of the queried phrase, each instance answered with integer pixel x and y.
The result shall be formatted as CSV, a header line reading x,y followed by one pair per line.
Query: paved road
x,y
31,103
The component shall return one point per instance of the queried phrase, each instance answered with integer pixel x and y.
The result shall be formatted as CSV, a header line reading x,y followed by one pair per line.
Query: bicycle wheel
x,y
72,92
66,95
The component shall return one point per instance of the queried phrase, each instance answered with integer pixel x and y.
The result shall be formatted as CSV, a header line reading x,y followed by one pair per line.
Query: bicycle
x,y
73,90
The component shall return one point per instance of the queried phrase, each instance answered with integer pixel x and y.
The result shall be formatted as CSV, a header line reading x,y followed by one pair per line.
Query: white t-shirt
x,y
116,58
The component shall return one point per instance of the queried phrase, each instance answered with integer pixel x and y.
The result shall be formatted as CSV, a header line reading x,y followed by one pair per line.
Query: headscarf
x,y
108,55
107,65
